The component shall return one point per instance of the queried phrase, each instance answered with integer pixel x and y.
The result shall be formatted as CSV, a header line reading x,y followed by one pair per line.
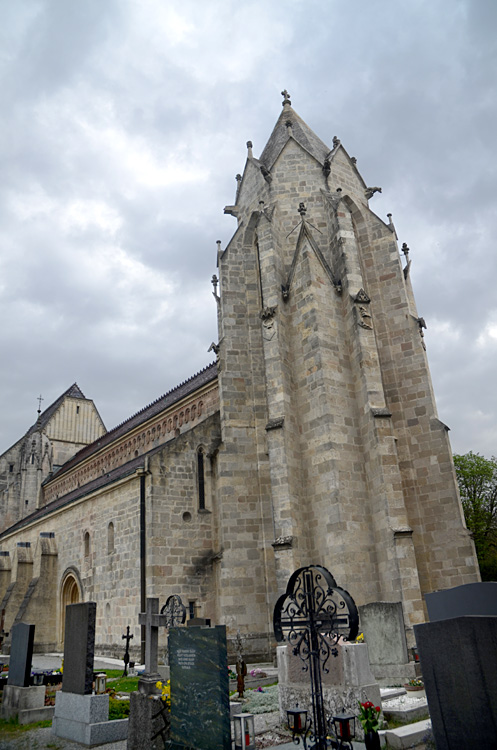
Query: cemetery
x,y
322,690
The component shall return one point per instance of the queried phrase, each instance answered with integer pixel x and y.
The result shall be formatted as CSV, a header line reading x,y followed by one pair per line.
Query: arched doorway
x,y
70,593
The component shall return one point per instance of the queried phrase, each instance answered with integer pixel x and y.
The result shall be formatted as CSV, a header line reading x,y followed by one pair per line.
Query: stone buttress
x,y
332,450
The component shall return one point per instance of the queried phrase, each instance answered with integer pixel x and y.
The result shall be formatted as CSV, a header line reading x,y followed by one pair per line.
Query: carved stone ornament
x,y
283,542
361,296
275,424
365,318
267,312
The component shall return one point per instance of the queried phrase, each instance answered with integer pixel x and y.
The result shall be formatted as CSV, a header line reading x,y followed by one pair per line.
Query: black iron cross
x,y
128,637
313,615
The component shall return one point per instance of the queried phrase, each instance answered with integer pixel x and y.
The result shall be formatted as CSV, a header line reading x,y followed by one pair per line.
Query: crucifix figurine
x,y
152,621
128,637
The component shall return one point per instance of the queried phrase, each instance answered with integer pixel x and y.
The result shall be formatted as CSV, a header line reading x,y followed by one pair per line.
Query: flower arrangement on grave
x,y
369,716
257,673
416,683
231,674
165,692
360,638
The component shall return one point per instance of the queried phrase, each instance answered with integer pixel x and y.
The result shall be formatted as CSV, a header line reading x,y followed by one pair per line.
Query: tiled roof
x,y
73,391
300,131
109,478
181,391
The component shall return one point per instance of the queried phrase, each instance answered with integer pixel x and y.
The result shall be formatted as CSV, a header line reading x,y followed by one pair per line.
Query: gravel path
x,y
43,739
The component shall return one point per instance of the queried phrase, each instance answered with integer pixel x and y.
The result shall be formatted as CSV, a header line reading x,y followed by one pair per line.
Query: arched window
x,y
201,479
110,538
87,544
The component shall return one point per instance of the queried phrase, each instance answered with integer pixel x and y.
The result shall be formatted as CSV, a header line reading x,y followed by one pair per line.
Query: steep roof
x,y
181,391
74,391
299,131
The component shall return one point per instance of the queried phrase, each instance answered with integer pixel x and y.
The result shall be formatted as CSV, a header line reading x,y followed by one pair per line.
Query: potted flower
x,y
369,716
414,685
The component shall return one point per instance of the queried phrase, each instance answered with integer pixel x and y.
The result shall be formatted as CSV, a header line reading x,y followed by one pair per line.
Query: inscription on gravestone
x,y
79,648
199,688
21,654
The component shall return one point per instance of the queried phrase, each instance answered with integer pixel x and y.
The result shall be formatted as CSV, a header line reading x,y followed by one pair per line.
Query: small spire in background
x,y
286,97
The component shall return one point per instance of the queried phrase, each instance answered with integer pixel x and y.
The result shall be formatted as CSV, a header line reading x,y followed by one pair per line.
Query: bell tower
x,y
333,453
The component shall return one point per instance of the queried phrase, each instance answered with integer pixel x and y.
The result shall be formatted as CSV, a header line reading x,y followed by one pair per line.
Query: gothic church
x,y
313,439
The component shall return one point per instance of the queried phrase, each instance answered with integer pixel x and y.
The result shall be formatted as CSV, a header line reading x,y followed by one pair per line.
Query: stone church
x,y
313,439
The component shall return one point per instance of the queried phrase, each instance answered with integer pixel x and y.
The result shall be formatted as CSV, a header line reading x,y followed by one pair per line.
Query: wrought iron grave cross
x,y
128,637
174,611
313,615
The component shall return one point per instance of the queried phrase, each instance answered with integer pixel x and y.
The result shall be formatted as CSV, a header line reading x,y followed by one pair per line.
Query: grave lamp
x,y
100,683
344,726
38,678
244,731
299,724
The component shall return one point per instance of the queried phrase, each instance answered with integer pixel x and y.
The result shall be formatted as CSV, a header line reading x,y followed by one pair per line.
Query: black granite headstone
x,y
459,664
469,599
79,648
200,712
21,654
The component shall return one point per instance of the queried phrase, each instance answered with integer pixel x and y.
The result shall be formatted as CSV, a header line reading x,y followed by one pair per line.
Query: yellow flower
x,y
360,638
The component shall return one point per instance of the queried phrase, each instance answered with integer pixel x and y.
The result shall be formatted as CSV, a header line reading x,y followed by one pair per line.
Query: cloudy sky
x,y
124,123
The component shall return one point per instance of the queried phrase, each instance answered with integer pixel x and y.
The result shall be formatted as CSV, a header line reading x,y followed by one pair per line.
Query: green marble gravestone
x,y
200,711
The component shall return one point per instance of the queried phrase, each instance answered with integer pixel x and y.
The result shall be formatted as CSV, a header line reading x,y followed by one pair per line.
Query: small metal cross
x,y
128,637
40,399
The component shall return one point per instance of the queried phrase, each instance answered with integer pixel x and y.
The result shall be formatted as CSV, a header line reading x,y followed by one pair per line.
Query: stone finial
x,y
286,97
238,178
249,148
353,160
405,249
302,209
336,141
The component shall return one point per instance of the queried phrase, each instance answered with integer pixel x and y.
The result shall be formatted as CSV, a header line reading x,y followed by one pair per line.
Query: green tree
x,y
477,478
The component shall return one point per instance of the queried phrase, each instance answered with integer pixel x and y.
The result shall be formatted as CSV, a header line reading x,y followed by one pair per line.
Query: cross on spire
x,y
39,399
286,97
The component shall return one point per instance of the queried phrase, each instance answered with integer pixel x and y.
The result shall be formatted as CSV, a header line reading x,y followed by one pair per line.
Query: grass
x,y
11,726
112,673
395,723
124,684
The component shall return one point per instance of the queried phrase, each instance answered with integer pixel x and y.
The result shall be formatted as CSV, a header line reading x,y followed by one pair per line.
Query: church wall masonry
x,y
314,438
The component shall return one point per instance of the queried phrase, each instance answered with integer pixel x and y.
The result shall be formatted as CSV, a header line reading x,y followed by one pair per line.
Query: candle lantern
x,y
244,731
38,678
344,726
100,683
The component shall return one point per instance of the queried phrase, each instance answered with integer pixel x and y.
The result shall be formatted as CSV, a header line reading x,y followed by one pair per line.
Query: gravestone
x,y
79,648
21,699
469,599
384,631
458,659
80,716
200,711
152,621
21,654
148,721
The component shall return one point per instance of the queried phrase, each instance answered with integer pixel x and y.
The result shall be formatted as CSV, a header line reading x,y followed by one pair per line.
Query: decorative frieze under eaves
x,y
158,430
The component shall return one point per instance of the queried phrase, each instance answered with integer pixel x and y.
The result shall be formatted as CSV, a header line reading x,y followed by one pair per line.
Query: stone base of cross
x,y
152,621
